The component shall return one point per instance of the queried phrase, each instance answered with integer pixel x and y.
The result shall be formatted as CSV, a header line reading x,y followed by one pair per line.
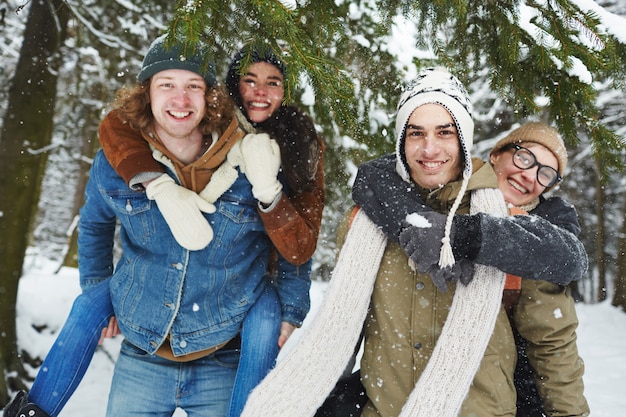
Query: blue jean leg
x,y
259,347
70,355
148,385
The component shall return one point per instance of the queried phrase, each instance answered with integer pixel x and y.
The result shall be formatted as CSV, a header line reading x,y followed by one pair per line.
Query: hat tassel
x,y
446,257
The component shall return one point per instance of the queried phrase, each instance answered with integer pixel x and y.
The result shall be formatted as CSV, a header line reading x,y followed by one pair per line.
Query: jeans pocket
x,y
227,358
131,350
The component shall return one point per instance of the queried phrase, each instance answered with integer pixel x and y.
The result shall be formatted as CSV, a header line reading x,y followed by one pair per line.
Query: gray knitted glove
x,y
439,276
422,243
462,270
421,239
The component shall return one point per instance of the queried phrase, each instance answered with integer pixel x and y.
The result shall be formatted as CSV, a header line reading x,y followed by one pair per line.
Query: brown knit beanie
x,y
540,133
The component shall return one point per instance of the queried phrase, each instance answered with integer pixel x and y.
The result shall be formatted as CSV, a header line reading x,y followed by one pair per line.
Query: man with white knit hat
x,y
432,347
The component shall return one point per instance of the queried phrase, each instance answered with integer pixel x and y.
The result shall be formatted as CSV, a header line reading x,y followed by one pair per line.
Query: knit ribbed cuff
x,y
467,236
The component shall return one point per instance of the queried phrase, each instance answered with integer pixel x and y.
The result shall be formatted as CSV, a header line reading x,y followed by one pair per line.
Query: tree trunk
x,y
619,296
88,150
26,130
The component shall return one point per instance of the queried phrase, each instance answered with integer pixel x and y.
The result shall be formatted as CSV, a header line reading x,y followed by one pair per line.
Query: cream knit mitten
x,y
182,210
261,159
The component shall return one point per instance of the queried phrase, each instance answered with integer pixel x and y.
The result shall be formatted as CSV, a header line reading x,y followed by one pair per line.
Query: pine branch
x,y
551,58
269,24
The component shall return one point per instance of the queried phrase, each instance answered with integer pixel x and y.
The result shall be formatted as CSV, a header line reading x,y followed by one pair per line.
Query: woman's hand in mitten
x,y
261,156
421,241
421,238
385,197
182,210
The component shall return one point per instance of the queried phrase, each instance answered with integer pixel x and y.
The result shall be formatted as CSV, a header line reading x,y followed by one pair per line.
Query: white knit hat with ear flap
x,y
438,86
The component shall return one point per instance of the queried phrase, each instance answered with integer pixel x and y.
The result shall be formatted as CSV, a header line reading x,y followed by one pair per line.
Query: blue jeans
x,y
70,355
259,347
148,385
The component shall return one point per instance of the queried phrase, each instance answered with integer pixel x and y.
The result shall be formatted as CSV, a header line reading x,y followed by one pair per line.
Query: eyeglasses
x,y
524,159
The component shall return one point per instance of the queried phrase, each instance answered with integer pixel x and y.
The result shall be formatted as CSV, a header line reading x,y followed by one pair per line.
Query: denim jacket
x,y
160,289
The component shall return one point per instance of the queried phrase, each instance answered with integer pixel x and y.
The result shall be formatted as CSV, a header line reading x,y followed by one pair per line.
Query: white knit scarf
x,y
302,380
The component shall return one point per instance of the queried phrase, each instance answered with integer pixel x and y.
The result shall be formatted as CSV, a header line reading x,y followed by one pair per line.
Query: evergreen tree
x,y
540,58
540,55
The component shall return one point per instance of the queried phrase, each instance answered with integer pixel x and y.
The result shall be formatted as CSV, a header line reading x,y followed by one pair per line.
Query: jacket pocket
x,y
135,212
237,211
492,391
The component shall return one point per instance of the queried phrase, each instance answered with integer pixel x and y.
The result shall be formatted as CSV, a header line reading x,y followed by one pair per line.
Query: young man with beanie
x,y
179,309
437,340
549,371
529,161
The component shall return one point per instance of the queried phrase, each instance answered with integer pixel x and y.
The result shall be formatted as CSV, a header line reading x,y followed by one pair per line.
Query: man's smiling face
x,y
431,147
177,102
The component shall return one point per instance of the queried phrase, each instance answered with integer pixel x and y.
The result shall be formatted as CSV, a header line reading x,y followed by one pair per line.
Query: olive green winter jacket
x,y
407,313
545,316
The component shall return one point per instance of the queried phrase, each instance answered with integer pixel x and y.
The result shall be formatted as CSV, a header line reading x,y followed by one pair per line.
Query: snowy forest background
x,y
354,55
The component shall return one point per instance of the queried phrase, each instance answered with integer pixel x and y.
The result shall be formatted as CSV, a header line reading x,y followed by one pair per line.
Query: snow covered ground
x,y
45,298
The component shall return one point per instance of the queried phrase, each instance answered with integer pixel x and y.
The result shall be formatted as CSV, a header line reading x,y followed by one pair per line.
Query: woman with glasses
x,y
528,162
523,161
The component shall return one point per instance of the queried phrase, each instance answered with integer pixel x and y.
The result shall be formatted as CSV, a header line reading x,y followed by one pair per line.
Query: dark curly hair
x,y
293,130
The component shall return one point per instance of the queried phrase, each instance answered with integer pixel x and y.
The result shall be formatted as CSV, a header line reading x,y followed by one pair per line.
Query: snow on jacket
x,y
407,313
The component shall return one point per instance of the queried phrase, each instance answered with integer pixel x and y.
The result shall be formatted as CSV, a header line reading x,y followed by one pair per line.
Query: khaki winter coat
x,y
546,317
406,316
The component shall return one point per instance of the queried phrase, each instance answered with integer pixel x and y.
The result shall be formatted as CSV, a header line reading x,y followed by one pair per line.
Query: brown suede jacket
x,y
293,224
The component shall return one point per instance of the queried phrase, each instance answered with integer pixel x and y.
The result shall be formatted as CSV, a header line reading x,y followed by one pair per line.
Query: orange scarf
x,y
196,175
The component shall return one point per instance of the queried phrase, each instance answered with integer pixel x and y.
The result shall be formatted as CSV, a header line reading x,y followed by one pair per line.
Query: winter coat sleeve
x,y
548,236
294,223
545,316
384,196
510,243
125,149
97,223
560,213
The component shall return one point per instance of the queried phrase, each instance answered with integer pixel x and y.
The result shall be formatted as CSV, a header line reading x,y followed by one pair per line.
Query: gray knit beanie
x,y
163,56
